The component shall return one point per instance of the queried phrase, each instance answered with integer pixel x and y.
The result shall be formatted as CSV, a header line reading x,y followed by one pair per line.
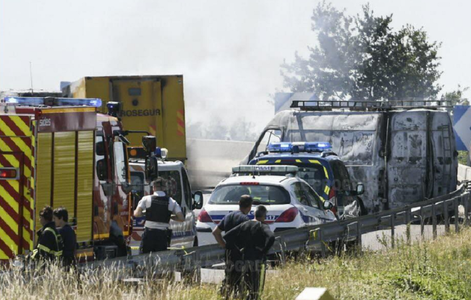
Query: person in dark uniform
x,y
252,240
61,217
159,208
49,246
233,273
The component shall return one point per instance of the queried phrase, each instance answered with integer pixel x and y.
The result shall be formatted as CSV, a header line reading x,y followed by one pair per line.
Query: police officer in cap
x,y
159,209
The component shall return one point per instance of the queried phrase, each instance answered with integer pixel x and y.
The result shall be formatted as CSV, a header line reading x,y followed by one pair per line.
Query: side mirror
x,y
102,169
108,188
100,148
121,137
152,169
360,189
127,188
328,204
149,143
197,200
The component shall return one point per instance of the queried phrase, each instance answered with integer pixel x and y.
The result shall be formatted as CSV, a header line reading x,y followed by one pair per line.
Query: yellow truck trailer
x,y
149,103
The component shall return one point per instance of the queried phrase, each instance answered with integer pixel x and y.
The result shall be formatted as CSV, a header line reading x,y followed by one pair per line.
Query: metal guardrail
x,y
464,173
316,237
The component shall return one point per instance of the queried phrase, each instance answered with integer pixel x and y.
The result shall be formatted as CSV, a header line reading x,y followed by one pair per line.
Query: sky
x,y
229,52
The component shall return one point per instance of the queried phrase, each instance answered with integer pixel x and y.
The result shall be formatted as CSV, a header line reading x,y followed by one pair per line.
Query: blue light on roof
x,y
280,147
158,152
36,101
317,146
27,101
299,147
95,102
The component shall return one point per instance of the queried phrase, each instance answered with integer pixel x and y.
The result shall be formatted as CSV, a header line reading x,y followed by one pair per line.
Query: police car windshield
x,y
261,194
312,171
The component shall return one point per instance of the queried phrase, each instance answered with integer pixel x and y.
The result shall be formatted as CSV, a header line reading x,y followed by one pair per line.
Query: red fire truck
x,y
61,152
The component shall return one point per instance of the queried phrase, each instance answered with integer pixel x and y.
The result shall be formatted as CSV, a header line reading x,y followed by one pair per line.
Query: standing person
x,y
233,273
253,240
159,208
49,246
61,217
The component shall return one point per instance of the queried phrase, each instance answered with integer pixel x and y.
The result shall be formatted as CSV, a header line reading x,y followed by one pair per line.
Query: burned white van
x,y
402,153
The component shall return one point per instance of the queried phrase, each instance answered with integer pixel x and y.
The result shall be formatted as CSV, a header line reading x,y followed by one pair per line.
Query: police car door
x,y
317,205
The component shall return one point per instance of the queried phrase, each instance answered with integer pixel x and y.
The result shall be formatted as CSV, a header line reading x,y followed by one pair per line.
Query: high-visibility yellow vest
x,y
48,250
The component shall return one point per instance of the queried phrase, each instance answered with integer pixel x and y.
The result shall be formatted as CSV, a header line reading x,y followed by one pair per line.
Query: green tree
x,y
361,57
456,97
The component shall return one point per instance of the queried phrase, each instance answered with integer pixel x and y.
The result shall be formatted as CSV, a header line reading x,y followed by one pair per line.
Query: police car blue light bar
x,y
280,147
36,101
317,146
257,169
299,147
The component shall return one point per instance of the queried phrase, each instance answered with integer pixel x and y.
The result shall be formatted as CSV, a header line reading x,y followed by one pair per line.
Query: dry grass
x,y
438,269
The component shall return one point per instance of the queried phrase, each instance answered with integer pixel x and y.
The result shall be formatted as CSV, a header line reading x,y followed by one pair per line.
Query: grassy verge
x,y
463,157
438,269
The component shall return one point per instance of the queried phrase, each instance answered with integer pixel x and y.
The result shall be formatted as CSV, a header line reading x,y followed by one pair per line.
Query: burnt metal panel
x,y
402,156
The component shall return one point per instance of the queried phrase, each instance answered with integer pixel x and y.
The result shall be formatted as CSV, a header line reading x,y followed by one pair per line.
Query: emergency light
x,y
280,147
257,169
161,152
8,173
140,153
299,147
317,146
52,101
113,108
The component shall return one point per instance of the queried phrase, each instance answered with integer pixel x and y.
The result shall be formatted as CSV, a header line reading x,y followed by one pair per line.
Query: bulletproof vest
x,y
158,210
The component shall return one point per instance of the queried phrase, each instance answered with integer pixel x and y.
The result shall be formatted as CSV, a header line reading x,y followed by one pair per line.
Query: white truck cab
x,y
183,233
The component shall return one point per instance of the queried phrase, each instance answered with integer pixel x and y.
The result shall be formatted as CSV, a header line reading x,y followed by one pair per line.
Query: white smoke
x,y
228,52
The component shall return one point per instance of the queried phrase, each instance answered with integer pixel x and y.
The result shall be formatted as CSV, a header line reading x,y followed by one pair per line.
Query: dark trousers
x,y
254,278
234,270
153,240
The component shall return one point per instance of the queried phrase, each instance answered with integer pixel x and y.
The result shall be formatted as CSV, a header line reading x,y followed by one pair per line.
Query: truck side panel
x,y
15,198
44,173
150,103
174,118
65,164
85,172
10,206
141,107
64,171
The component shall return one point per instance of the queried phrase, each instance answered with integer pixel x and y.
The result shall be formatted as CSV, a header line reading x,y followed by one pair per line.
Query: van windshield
x,y
352,135
261,194
173,183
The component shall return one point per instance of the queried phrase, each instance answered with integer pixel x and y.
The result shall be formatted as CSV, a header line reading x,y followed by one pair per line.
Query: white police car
x,y
290,201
